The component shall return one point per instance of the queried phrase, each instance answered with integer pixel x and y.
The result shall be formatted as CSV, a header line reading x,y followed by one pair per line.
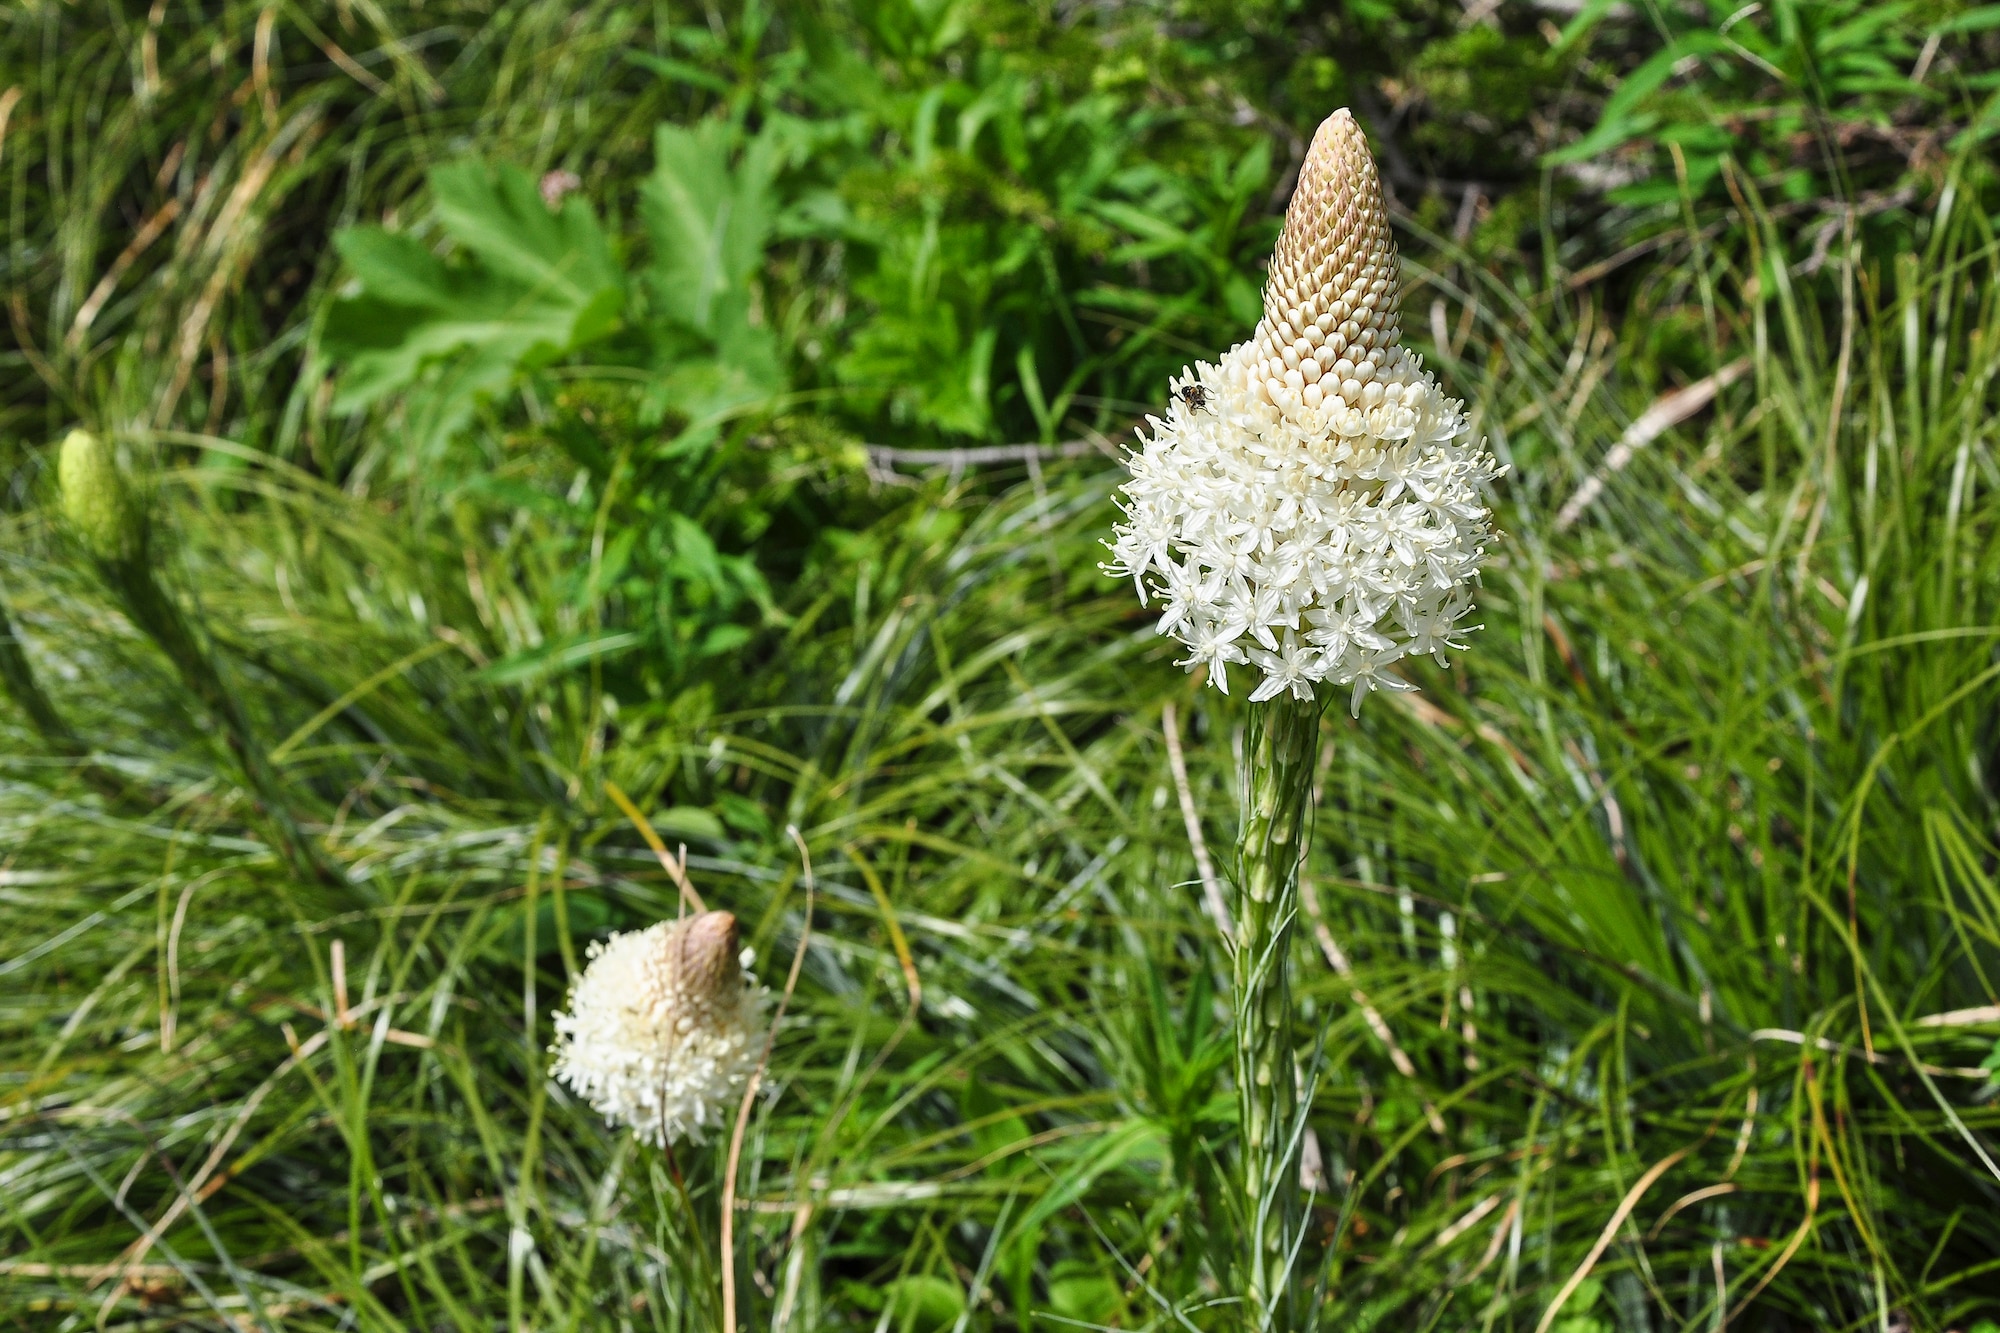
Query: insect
x,y
1194,395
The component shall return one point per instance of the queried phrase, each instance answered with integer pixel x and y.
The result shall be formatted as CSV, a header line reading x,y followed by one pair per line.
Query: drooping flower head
x,y
1311,506
663,1029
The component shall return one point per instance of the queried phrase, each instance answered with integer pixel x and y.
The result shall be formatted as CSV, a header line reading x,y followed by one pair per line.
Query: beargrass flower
x,y
1312,504
664,1027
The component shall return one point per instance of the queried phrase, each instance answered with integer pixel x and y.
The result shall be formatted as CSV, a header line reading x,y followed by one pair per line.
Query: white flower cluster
x,y
1312,505
664,1027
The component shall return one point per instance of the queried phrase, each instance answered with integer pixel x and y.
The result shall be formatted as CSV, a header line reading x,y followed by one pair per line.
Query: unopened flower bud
x,y
97,501
707,962
663,1029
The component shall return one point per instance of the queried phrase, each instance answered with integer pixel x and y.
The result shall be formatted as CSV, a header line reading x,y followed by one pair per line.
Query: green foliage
x,y
534,285
1479,80
1761,88
708,225
538,285
924,1303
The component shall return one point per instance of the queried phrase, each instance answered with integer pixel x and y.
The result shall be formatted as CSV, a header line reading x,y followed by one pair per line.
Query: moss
x,y
1478,89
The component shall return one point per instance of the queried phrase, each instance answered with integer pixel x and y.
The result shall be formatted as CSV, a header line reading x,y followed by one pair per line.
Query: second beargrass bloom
x,y
1311,506
664,1028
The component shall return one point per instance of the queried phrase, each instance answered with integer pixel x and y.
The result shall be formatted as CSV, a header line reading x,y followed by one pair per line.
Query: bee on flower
x,y
664,1028
1312,505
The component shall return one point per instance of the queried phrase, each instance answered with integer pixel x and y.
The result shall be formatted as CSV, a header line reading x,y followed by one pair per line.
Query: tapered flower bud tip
x,y
663,1028
96,499
1333,294
1336,220
707,955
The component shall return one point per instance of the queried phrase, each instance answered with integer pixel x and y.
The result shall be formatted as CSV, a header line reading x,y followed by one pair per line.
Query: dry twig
x,y
1211,886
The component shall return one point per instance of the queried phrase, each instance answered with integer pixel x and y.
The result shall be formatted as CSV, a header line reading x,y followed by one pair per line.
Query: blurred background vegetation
x,y
724,403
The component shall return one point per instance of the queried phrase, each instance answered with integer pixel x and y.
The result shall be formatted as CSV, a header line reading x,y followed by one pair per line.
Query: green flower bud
x,y
97,501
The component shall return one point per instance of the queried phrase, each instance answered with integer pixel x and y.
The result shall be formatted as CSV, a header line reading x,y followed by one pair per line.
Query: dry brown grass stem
x,y
676,869
750,1097
1336,958
1211,884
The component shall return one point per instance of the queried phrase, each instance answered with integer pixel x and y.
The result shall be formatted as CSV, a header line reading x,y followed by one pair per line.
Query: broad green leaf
x,y
526,286
923,1302
741,376
1081,1293
395,268
689,821
560,257
707,222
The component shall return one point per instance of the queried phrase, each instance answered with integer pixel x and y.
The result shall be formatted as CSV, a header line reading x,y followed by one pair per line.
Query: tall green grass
x,y
1662,896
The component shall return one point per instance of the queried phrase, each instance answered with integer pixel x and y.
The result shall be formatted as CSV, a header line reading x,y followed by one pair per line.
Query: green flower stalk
x,y
1311,508
113,526
1281,746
